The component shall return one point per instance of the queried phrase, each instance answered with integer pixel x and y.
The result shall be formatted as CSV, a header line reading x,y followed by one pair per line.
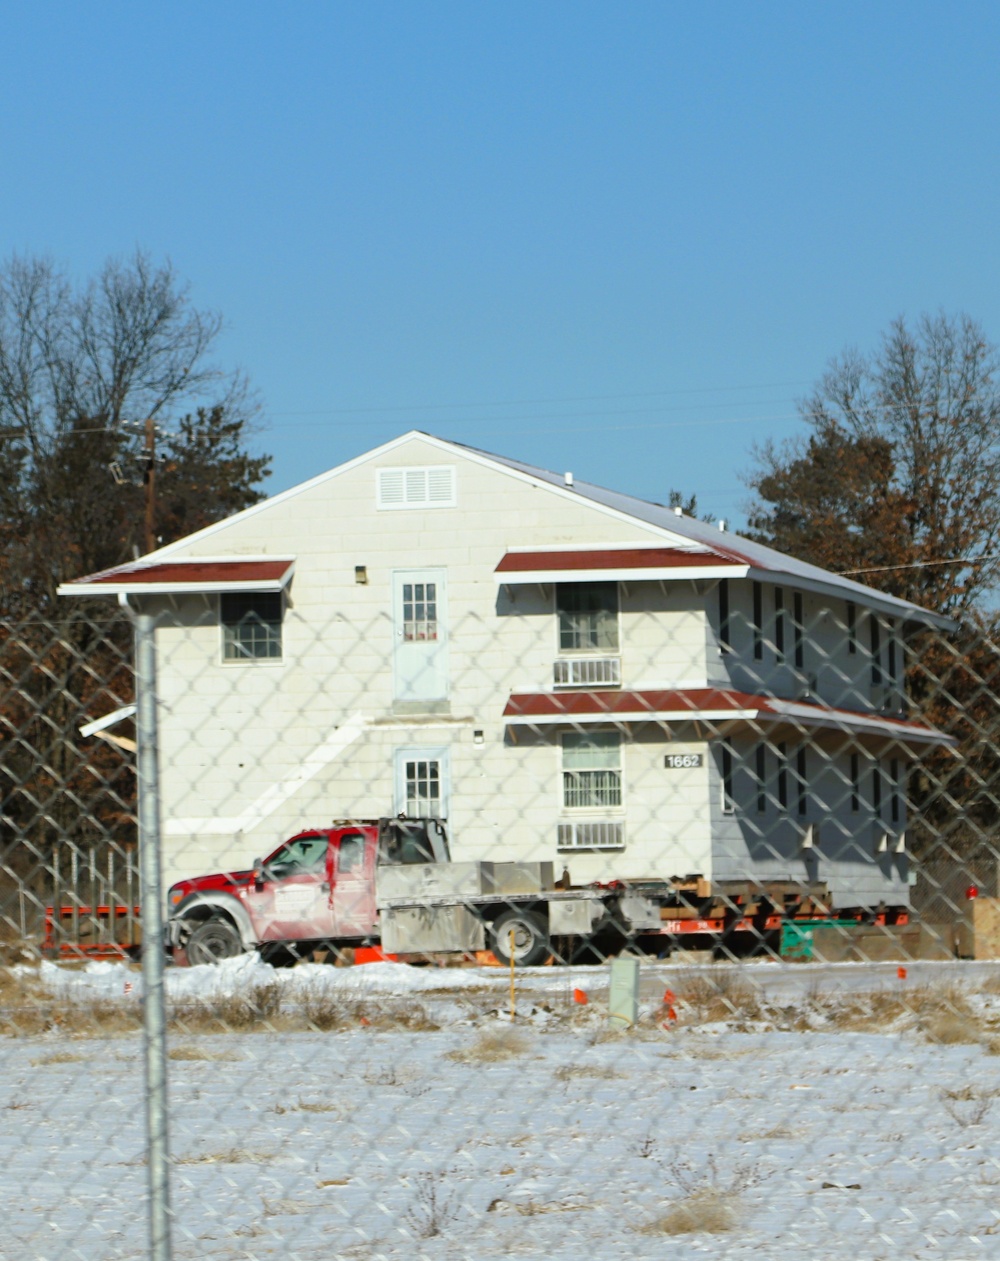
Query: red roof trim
x,y
585,705
185,573
611,558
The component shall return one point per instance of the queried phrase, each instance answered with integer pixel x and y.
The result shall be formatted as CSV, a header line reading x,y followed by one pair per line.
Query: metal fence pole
x,y
154,1011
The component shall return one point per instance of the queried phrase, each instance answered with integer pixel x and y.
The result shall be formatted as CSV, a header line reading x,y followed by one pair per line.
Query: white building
x,y
563,672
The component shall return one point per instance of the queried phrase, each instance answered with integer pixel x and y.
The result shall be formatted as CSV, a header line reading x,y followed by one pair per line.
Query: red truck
x,y
387,881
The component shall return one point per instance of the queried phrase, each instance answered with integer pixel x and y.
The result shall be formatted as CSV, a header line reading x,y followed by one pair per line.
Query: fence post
x,y
151,896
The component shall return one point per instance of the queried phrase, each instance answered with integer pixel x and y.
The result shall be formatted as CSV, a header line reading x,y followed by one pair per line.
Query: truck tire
x,y
531,938
214,940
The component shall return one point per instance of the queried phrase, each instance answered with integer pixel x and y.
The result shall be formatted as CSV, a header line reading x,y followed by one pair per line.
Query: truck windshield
x,y
304,854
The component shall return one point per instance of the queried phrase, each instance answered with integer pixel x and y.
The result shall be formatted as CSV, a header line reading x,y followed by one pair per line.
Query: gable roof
x,y
678,531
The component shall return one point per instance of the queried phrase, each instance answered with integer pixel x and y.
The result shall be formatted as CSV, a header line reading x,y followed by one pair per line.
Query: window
x,y
423,789
588,616
896,806
877,790
728,794
251,626
783,775
432,487
295,858
801,768
761,779
875,629
852,629
758,618
798,630
725,637
351,856
592,777
891,653
855,783
419,611
779,623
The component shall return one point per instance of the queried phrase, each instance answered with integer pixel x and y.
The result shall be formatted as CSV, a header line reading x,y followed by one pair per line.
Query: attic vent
x,y
432,487
587,671
597,835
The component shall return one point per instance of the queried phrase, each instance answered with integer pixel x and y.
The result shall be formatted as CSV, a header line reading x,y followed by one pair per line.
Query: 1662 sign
x,y
682,761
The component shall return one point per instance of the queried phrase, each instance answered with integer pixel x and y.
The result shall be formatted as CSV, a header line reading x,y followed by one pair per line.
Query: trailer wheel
x,y
531,938
214,940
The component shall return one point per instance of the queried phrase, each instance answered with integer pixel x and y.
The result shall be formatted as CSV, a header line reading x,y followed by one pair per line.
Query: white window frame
x,y
414,486
592,811
255,662
423,753
588,652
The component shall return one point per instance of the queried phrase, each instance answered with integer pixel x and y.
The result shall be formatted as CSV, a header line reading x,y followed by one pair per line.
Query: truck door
x,y
293,901
354,913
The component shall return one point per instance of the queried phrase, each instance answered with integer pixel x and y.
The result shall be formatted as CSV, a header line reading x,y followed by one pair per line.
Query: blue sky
x,y
619,239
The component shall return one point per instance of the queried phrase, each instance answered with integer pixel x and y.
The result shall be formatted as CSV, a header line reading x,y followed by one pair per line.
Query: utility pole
x,y
149,479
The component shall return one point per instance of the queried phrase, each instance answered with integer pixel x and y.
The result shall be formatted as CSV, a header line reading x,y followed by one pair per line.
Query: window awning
x,y
610,564
258,573
708,705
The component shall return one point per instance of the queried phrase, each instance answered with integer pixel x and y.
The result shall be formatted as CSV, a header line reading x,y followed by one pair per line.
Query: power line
x,y
921,564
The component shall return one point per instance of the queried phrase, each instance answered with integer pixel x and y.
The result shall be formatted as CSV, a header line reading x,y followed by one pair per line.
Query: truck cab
x,y
317,888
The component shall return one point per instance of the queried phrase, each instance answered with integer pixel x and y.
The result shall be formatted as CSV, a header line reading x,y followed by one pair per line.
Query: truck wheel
x,y
531,938
214,940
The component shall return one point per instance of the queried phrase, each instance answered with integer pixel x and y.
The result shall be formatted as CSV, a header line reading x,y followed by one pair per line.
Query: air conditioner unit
x,y
595,834
587,672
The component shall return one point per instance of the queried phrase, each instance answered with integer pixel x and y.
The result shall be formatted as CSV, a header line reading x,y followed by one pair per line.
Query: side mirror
x,y
258,871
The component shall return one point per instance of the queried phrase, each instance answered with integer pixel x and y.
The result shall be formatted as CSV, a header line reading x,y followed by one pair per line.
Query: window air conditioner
x,y
587,672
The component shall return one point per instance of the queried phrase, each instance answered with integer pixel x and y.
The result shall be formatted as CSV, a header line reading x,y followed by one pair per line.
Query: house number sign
x,y
682,761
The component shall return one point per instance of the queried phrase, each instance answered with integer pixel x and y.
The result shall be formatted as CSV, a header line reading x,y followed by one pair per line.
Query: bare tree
x,y
899,479
81,368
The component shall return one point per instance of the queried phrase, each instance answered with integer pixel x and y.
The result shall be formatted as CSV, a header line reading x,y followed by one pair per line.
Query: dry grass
x,y
968,1106
230,1156
58,1057
722,997
575,1072
492,1045
707,1211
235,1013
200,1054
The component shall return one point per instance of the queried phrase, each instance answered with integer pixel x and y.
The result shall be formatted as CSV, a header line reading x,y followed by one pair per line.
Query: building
x,y
563,672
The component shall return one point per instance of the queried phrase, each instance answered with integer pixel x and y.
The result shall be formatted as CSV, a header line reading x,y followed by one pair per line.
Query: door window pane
x,y
419,611
423,789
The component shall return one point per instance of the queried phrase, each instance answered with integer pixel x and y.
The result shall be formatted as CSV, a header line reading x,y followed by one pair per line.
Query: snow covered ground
x,y
839,1111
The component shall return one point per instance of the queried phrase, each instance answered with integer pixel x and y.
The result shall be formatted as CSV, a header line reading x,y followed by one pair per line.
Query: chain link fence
x,y
478,946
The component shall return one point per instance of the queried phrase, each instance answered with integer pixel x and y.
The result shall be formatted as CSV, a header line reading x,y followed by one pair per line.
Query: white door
x,y
422,783
420,635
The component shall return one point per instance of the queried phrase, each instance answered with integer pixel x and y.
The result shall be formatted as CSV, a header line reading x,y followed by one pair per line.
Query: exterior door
x,y
420,635
293,902
354,913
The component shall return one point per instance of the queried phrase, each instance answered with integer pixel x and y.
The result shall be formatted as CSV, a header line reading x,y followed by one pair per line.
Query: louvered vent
x,y
432,487
596,835
588,672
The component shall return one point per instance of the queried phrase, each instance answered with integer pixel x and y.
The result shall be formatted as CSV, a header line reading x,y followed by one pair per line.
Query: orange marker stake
x,y
580,996
901,973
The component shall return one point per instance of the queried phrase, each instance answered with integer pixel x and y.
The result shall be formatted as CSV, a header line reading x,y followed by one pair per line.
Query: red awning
x,y
203,575
596,563
710,705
